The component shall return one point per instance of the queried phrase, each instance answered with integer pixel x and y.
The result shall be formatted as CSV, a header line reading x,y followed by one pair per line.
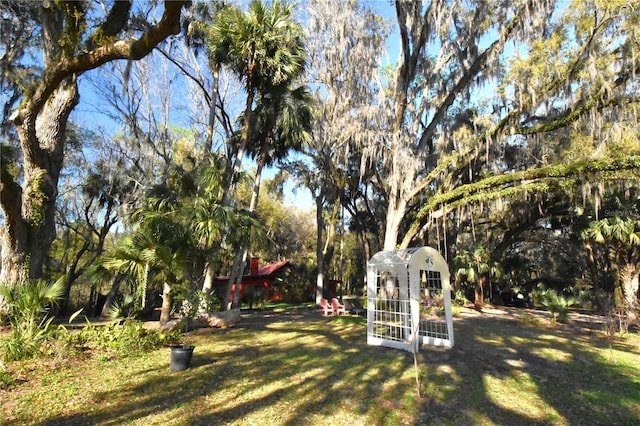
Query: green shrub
x,y
33,333
28,304
6,380
122,338
459,298
26,340
456,310
556,304
124,308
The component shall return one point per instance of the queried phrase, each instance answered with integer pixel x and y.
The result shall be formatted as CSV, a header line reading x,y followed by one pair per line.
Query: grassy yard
x,y
298,368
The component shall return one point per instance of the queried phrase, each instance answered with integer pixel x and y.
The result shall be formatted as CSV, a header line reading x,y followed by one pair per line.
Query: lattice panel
x,y
391,313
432,309
391,320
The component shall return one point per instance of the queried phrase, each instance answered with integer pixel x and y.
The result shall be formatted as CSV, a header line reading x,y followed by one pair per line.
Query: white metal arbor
x,y
409,299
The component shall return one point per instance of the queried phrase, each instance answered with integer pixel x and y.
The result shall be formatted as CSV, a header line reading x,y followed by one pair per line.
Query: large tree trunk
x,y
395,215
30,216
392,223
29,201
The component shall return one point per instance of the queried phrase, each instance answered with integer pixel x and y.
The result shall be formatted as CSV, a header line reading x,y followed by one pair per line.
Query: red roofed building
x,y
262,282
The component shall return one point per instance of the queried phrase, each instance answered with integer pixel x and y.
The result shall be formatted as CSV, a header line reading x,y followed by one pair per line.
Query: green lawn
x,y
298,368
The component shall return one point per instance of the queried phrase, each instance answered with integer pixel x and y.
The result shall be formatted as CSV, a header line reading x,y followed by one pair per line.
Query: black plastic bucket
x,y
181,357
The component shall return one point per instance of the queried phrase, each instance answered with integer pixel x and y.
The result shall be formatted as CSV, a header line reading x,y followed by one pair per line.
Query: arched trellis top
x,y
387,261
426,258
409,299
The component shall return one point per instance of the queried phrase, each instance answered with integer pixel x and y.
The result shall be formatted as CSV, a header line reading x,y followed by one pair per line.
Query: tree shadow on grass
x,y
302,368
509,371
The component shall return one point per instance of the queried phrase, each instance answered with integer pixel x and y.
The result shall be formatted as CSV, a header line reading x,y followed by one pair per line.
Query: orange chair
x,y
338,309
325,308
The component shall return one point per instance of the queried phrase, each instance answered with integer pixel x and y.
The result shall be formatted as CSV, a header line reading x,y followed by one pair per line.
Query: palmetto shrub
x,y
123,308
27,306
557,304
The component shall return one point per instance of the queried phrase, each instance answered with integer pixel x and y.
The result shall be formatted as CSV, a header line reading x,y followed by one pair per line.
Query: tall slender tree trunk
x,y
241,256
72,274
145,286
319,255
208,143
479,291
209,272
237,271
239,259
629,285
329,250
207,286
367,256
237,165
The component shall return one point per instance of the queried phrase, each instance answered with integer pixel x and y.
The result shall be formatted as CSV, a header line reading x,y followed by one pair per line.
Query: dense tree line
x,y
503,133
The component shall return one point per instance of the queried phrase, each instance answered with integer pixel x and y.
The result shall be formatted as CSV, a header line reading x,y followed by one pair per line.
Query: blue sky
x,y
90,113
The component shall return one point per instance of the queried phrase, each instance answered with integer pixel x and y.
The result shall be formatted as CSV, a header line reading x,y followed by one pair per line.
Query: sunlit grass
x,y
315,370
521,395
492,340
555,354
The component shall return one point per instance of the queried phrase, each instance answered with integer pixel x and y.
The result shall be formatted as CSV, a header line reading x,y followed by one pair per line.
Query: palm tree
x,y
477,268
124,262
161,248
157,251
179,229
264,48
207,218
622,239
283,124
28,310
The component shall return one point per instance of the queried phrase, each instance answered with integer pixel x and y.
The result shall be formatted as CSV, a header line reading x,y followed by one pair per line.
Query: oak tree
x,y
73,38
